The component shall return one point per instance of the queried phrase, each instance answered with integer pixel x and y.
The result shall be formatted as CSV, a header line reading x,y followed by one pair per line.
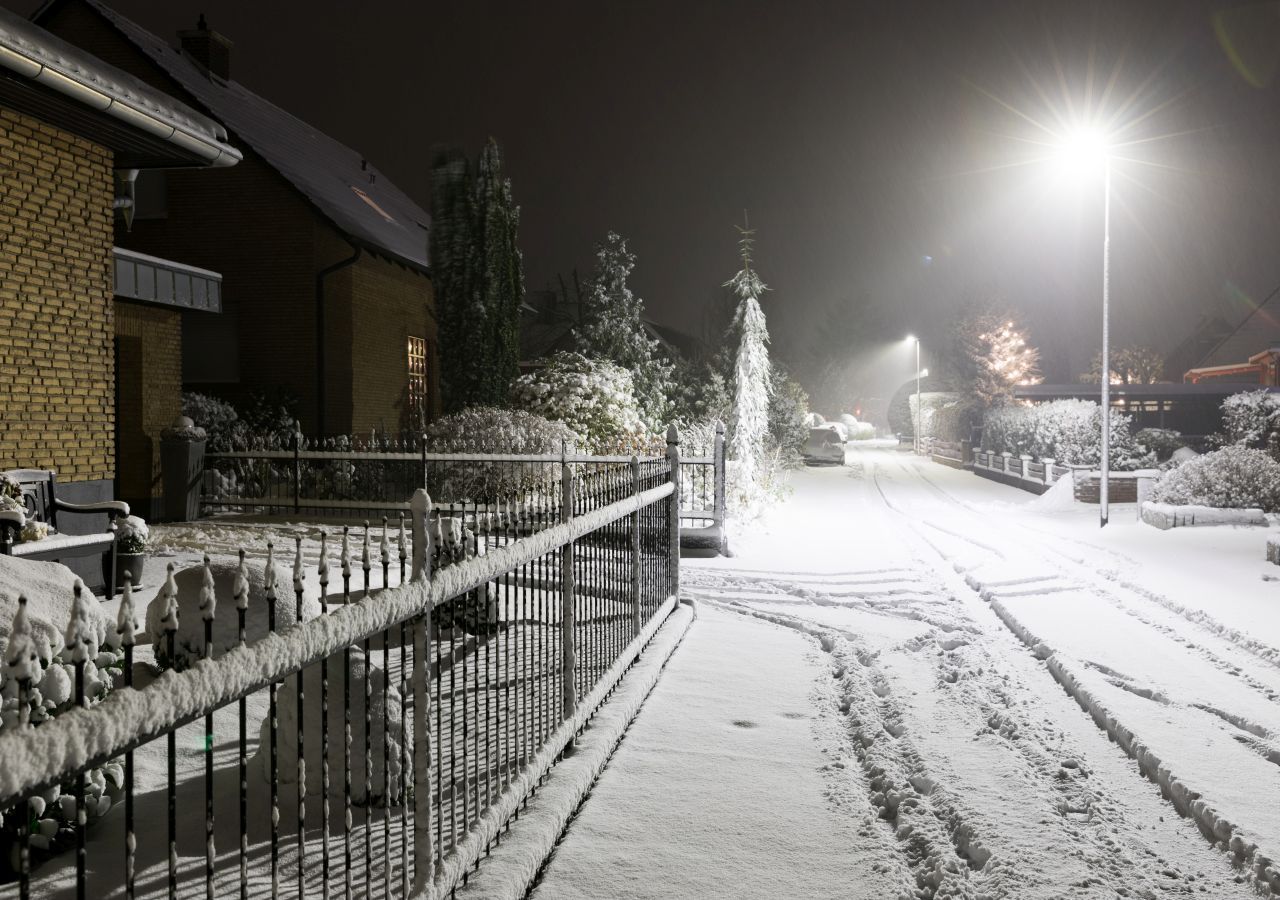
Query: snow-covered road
x,y
1035,708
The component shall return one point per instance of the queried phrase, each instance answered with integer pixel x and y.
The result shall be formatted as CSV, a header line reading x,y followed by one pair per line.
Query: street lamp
x,y
911,338
1084,151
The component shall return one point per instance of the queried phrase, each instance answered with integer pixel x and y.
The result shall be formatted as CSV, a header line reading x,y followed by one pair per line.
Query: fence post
x,y
297,469
719,485
423,439
673,454
568,655
1048,469
423,850
635,551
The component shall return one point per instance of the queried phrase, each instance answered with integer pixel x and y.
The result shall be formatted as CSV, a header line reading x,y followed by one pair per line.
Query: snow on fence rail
x,y
427,710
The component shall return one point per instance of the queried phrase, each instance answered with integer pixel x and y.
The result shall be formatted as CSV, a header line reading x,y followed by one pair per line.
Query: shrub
x,y
595,398
1162,442
1069,431
1250,418
219,419
862,431
485,429
1230,478
788,418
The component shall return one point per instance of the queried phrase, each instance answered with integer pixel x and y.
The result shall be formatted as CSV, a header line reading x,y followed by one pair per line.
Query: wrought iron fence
x,y
408,696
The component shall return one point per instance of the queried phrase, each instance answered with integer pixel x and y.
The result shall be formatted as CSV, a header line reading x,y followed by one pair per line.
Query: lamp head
x,y
910,339
1084,150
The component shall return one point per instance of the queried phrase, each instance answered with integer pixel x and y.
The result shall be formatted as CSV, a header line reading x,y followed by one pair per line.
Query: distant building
x,y
326,289
1245,355
90,346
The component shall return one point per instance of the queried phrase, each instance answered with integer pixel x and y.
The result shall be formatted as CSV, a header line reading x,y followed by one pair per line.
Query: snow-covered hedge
x,y
1249,418
1230,478
593,397
485,429
1162,442
1069,431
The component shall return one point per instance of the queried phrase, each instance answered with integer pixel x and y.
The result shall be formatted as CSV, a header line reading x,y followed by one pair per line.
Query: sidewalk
x,y
719,788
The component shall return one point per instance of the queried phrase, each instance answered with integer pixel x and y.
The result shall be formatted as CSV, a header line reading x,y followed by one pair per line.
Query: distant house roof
x,y
1259,330
45,73
358,199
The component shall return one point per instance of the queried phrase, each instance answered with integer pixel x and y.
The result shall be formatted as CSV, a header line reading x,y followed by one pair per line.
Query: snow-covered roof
x,y
358,199
30,52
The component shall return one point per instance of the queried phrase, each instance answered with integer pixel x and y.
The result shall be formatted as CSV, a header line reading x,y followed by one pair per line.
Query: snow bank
x,y
1166,515
50,591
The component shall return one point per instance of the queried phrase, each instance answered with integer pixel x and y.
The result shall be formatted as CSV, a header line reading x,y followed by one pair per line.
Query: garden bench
x,y
43,505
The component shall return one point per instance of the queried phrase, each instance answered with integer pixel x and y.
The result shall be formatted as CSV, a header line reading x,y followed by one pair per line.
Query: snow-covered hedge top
x,y
1069,431
593,397
1230,478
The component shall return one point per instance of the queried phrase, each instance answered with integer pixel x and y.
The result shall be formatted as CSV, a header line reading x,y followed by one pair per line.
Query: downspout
x,y
320,334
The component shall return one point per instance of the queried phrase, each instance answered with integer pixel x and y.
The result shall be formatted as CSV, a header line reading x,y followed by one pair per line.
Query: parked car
x,y
825,447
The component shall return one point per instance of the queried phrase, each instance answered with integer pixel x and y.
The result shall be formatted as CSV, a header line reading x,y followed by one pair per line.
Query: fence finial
x,y
345,557
673,434
22,656
269,573
82,638
208,596
323,568
168,598
385,545
126,618
240,587
299,571
719,427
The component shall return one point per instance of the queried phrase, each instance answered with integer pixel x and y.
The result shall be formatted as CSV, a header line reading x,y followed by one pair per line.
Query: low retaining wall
x,y
1019,471
1165,516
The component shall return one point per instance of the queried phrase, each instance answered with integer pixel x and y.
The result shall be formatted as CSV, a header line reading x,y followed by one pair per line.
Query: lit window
x,y
417,381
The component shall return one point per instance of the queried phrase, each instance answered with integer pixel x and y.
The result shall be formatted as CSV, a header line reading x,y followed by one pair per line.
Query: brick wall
x,y
389,303
149,369
56,329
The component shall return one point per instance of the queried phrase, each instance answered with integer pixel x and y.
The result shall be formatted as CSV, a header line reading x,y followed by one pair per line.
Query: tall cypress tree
x,y
478,278
752,381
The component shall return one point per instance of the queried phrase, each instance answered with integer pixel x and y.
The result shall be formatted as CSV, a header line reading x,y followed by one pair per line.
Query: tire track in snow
x,y
1261,867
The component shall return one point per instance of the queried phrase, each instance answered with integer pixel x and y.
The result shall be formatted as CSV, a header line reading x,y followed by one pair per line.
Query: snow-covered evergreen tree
x,y
613,330
991,354
752,376
477,276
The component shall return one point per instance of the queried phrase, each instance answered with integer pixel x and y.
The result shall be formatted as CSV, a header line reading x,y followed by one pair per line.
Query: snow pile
x,y
1166,515
189,640
1060,497
50,591
386,760
1230,478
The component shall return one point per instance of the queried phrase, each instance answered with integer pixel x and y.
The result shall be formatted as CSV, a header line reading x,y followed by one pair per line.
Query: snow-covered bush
x,y
41,642
219,419
862,431
1230,478
132,535
1250,418
386,727
1069,431
788,417
593,397
189,638
485,429
1162,442
815,420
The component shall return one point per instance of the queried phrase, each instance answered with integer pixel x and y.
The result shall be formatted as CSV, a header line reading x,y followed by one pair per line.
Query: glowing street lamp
x,y
1084,152
911,338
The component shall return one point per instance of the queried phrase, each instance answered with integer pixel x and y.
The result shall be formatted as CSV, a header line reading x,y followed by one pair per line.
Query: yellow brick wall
x,y
389,303
56,329
149,342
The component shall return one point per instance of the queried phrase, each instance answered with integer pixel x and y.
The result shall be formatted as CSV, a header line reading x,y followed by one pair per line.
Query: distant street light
x,y
1083,152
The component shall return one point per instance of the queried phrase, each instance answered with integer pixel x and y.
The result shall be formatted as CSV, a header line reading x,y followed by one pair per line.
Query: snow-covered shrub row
x,y
49,663
485,429
1250,418
862,431
1230,478
593,397
1069,431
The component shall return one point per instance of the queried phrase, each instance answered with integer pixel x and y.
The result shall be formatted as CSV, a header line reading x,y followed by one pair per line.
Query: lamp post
x,y
1084,150
916,443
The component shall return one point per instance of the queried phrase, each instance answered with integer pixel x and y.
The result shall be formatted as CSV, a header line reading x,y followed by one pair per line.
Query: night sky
x,y
880,148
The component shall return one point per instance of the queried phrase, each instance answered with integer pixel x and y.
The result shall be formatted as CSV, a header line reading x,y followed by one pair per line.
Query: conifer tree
x,y
477,277
613,329
752,370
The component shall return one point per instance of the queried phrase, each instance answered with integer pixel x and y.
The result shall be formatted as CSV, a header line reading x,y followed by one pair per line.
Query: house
x,y
326,289
1249,354
89,358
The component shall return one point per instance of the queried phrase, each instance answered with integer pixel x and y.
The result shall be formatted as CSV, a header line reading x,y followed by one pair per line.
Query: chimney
x,y
209,49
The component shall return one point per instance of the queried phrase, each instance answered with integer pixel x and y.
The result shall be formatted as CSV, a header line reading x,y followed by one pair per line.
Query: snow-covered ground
x,y
1028,706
